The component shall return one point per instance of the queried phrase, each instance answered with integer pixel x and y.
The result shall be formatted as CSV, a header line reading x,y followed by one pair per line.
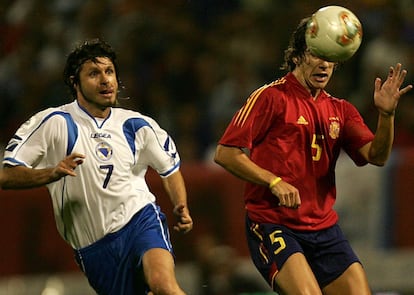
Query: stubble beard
x,y
98,105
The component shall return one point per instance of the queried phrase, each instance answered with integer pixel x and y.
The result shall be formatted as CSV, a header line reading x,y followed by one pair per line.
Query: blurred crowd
x,y
190,64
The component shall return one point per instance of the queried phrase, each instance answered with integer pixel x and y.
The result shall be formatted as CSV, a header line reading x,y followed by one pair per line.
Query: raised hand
x,y
387,94
67,166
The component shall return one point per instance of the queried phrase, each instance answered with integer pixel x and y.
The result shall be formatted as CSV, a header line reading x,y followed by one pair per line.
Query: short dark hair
x,y
297,46
88,50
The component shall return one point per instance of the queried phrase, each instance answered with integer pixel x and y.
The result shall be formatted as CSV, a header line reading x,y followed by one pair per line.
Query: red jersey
x,y
299,139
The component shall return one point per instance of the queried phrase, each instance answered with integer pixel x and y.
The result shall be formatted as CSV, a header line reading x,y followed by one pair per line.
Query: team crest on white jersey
x,y
103,151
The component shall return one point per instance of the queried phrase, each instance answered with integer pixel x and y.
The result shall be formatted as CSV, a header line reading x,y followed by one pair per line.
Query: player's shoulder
x,y
270,93
342,104
275,88
127,115
326,94
47,118
267,89
51,113
279,83
336,99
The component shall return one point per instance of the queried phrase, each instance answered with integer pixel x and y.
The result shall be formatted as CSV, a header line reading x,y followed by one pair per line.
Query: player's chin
x,y
108,101
112,103
184,228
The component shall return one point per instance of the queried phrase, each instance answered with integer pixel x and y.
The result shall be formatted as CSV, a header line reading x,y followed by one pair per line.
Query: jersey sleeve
x,y
34,139
356,134
159,150
250,124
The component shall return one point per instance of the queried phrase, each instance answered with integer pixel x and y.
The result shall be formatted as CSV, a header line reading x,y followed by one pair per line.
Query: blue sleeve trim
x,y
131,126
176,166
71,128
13,162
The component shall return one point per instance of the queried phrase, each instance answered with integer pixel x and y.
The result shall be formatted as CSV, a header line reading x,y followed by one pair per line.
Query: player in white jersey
x,y
93,157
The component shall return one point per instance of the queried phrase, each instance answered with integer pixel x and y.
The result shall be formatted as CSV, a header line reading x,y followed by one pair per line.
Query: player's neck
x,y
94,110
314,93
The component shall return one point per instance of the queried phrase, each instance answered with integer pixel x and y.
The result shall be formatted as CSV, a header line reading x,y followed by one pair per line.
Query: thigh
x,y
159,269
352,282
296,277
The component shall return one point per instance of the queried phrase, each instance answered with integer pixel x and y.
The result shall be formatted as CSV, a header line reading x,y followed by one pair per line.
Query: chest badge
x,y
103,151
334,129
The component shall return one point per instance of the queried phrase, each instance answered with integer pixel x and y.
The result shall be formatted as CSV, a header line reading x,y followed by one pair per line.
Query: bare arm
x,y
20,177
234,160
386,98
377,151
175,187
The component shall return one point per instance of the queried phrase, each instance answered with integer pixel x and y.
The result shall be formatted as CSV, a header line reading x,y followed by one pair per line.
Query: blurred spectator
x,y
188,63
221,272
387,47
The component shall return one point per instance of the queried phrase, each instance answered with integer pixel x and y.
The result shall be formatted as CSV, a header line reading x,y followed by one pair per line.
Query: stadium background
x,y
190,64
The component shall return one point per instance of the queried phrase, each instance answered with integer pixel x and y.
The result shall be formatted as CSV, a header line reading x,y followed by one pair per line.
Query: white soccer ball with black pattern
x,y
334,33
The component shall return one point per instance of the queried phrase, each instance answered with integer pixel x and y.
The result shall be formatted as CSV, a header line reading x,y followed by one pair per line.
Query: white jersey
x,y
110,185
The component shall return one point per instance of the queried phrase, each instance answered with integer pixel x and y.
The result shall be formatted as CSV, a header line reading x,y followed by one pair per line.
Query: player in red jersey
x,y
285,142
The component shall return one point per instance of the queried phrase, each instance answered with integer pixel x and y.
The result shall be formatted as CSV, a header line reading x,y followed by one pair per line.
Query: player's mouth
x,y
321,77
106,92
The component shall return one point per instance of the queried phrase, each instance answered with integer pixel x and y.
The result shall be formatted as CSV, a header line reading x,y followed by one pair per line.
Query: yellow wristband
x,y
274,182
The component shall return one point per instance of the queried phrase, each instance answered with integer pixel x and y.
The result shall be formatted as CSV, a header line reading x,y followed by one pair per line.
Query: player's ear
x,y
73,82
295,60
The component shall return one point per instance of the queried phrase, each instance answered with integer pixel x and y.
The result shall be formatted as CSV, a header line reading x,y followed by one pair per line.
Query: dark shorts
x,y
327,251
113,264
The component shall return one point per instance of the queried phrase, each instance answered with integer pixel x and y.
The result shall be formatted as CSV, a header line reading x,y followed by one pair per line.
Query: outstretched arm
x,y
21,177
386,98
175,187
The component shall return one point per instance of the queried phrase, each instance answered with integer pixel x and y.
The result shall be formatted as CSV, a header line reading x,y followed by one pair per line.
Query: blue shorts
x,y
113,264
327,251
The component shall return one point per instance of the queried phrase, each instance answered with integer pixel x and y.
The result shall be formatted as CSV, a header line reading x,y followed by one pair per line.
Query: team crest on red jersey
x,y
334,129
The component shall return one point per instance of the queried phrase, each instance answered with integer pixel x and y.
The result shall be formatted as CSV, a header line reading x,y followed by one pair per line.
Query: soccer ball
x,y
333,33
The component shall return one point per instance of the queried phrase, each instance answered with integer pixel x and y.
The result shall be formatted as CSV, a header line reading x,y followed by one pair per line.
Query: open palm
x,y
387,94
